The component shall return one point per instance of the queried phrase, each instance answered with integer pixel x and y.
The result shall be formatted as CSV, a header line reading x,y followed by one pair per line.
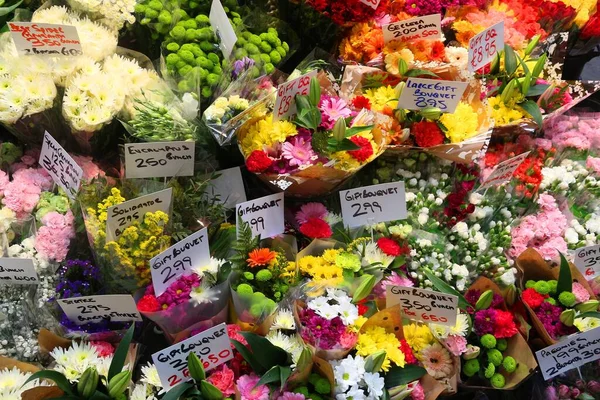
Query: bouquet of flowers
x,y
315,221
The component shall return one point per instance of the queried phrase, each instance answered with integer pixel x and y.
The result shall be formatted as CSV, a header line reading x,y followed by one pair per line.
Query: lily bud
x,y
195,367
508,91
431,113
400,114
471,353
119,383
374,362
364,288
531,46
399,88
511,295
567,317
339,129
485,300
587,306
88,382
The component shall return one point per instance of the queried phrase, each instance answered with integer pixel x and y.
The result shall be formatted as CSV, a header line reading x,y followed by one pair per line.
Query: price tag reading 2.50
x,y
484,46
373,204
285,102
159,159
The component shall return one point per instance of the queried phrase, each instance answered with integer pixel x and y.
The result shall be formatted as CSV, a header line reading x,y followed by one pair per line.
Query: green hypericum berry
x,y
542,287
553,284
567,299
264,275
529,284
488,341
244,288
509,364
501,344
498,381
471,367
489,371
323,386
495,357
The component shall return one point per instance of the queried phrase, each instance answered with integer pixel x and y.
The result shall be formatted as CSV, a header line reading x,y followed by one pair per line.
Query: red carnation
x,y
362,307
532,298
258,161
389,246
504,325
316,228
360,102
148,303
409,357
365,151
427,134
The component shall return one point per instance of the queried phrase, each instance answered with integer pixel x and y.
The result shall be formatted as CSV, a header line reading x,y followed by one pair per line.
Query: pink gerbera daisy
x,y
311,210
298,151
437,361
332,109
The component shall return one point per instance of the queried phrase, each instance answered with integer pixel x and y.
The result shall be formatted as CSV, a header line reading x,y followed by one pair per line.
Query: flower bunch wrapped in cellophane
x,y
124,261
316,151
262,275
458,136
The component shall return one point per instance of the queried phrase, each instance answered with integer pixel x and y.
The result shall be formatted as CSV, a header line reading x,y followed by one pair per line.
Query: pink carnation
x,y
418,393
104,349
246,385
54,237
4,180
291,396
35,176
594,164
456,344
348,340
89,167
21,196
223,378
581,293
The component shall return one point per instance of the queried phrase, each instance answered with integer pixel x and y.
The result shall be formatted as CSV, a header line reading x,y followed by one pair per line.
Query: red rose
x,y
365,151
532,298
427,134
389,246
258,161
360,102
316,228
148,303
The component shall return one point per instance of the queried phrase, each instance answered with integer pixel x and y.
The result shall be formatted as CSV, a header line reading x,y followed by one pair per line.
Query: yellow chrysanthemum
x,y
308,264
381,97
501,114
462,124
265,133
418,337
375,339
329,255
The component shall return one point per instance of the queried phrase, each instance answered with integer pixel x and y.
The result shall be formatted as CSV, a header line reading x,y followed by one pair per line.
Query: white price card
x,y
264,215
373,204
221,26
228,187
179,259
285,102
425,27
159,159
88,309
371,3
484,46
121,216
32,38
503,171
60,165
423,305
18,271
587,260
212,347
422,93
572,352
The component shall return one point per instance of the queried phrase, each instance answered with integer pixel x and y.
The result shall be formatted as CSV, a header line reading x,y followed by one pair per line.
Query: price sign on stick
x,y
17,271
159,159
62,168
425,27
212,347
503,171
285,102
113,307
228,187
264,215
373,204
587,260
121,216
422,93
221,26
371,3
32,38
572,352
179,260
484,46
423,305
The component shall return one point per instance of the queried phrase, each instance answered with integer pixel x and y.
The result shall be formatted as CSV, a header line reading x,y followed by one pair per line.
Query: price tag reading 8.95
x,y
285,104
484,46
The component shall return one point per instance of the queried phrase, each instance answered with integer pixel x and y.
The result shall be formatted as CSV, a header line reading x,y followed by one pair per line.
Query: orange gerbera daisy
x,y
260,257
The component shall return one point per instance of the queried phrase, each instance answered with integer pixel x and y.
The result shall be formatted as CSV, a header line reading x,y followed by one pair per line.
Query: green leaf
x,y
99,396
345,145
248,356
565,280
510,60
539,66
523,64
420,72
526,83
284,374
366,285
272,375
445,288
357,129
9,9
118,360
210,391
536,90
589,314
397,376
533,110
177,392
266,353
61,381
402,67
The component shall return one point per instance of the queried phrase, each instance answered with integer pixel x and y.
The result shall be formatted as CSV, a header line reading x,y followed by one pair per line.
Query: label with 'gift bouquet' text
x,y
419,94
587,260
33,38
285,102
264,215
212,347
373,204
60,165
159,159
112,307
17,271
423,305
484,46
425,27
123,215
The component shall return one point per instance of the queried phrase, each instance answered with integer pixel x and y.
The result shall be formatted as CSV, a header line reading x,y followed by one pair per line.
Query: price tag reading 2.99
x,y
373,204
264,215
285,104
484,46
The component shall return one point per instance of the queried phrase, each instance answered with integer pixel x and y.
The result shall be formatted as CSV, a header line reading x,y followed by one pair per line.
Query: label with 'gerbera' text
x,y
425,27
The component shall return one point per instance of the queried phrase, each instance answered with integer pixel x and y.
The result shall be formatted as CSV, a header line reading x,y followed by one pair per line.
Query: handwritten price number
x,y
585,353
421,102
186,261
129,218
213,358
433,318
94,307
490,48
407,31
361,209
590,262
50,165
149,162
284,105
256,221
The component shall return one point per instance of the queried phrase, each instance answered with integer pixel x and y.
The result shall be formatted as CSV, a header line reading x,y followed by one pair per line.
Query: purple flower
x,y
472,296
496,300
484,321
241,66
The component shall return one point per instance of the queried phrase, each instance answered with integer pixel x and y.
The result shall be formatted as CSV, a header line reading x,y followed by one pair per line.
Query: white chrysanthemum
x,y
12,381
291,344
372,254
150,375
348,372
204,293
55,14
284,319
375,384
212,268
586,324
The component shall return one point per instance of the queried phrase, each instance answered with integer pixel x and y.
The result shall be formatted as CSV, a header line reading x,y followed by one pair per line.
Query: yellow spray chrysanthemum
x,y
462,124
501,114
375,339
418,337
381,97
265,133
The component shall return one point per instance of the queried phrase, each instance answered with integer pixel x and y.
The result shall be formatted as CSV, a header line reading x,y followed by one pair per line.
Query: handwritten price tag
x,y
285,102
112,307
371,3
423,305
159,159
265,215
121,216
45,39
484,46
228,186
179,260
62,168
587,260
18,271
422,93
373,204
222,28
212,347
425,27
572,352
503,171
